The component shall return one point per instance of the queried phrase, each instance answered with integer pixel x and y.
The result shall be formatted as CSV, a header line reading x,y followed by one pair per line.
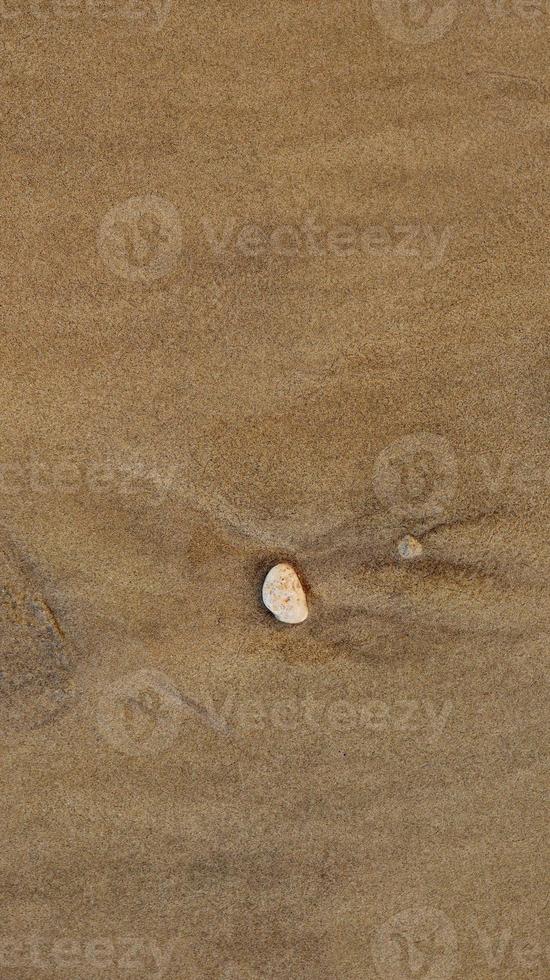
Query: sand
x,y
274,289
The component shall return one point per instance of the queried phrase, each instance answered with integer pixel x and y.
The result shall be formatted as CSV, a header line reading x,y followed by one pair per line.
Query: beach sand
x,y
275,288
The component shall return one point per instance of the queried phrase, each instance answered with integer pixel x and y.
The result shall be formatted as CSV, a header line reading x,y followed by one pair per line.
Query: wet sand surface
x,y
274,284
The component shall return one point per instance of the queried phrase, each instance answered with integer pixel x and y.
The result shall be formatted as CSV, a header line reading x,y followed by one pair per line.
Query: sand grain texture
x,y
274,286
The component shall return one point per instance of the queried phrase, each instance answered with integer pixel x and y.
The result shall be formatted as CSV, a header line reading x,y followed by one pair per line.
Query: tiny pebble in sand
x,y
409,547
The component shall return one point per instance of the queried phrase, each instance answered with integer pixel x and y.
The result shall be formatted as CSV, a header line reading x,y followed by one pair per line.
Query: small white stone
x,y
409,547
283,594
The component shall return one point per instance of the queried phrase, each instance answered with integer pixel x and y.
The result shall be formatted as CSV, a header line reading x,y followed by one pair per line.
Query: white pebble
x,y
409,547
283,594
